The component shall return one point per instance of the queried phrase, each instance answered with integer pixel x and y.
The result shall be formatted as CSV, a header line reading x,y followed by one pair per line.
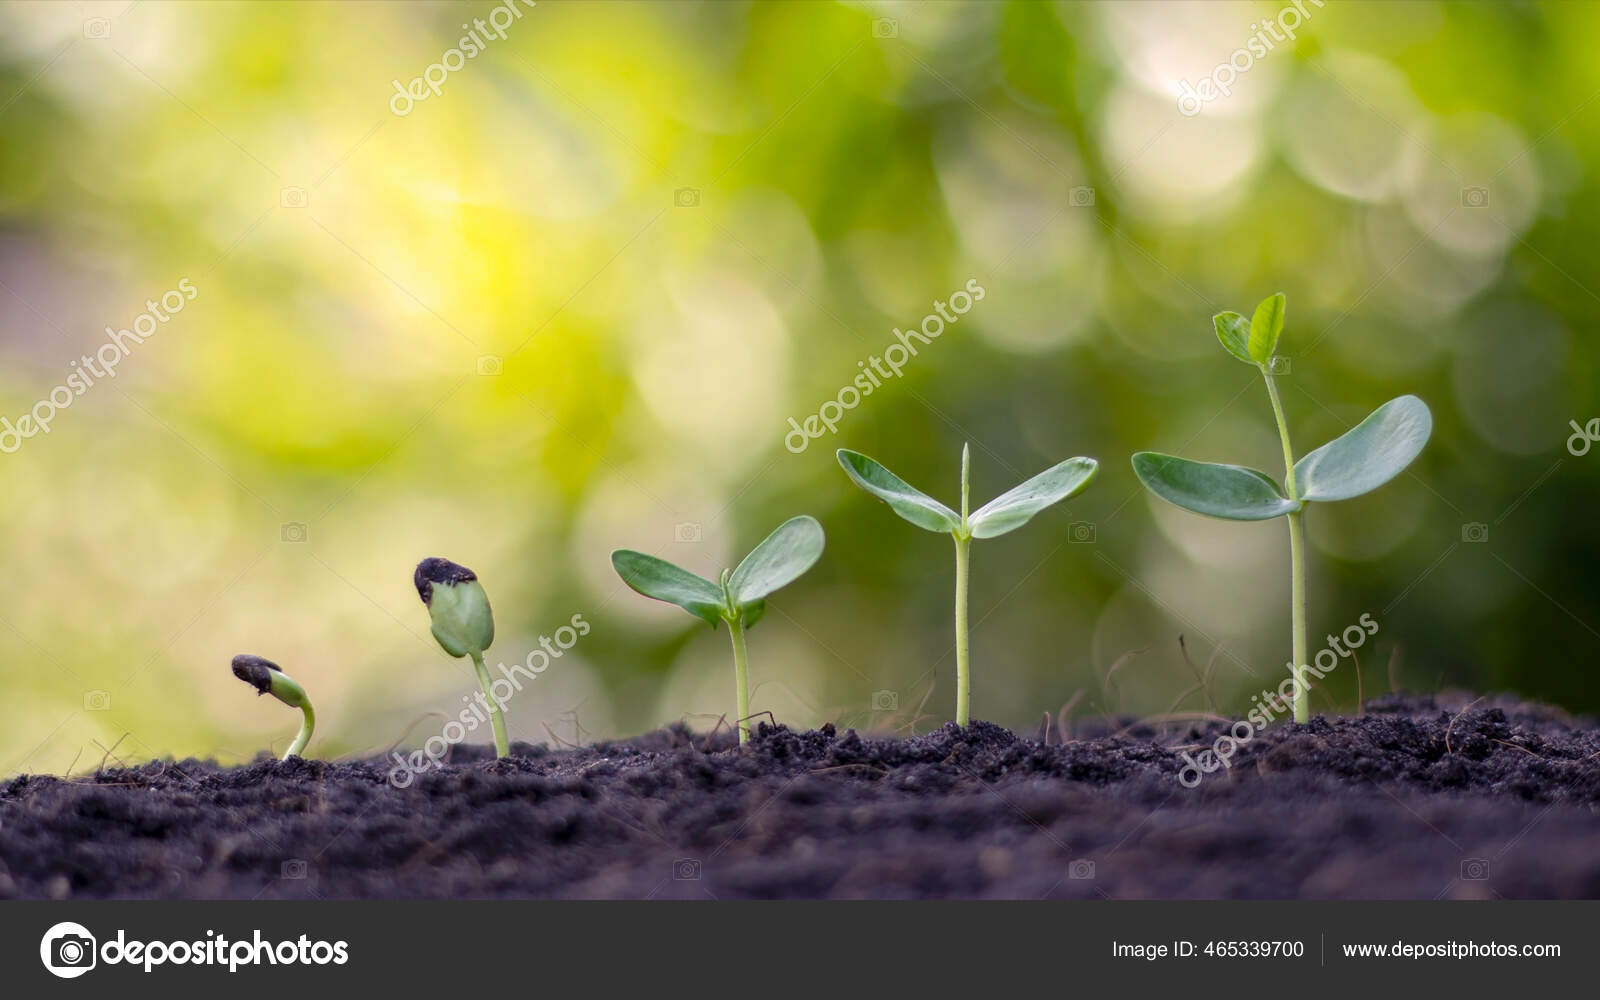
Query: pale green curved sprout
x,y
266,677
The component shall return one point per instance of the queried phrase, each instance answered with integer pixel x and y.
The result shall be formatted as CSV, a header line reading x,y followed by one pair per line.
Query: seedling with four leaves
x,y
739,598
1357,462
1007,512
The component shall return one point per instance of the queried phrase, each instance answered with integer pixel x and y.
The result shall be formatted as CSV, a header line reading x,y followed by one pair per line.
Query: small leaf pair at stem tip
x,y
1357,462
1005,513
738,598
1252,340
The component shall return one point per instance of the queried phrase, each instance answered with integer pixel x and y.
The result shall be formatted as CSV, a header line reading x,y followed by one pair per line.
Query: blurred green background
x,y
569,302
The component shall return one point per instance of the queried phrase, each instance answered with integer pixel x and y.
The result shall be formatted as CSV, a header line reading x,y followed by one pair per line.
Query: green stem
x,y
502,746
963,539
1297,561
1297,615
741,677
1283,433
307,724
963,660
966,462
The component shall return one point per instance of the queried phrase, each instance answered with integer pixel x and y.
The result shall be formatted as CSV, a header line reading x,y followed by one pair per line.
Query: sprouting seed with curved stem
x,y
267,678
463,623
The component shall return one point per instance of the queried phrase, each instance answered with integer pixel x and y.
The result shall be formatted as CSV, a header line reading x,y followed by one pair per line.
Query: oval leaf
x,y
663,581
908,501
1013,509
1227,491
1368,455
1234,332
778,560
1265,327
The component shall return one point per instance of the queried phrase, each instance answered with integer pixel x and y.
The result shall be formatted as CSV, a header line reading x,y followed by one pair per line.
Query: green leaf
x,y
1227,491
1368,455
1234,332
783,556
1013,509
663,581
1265,327
752,613
909,502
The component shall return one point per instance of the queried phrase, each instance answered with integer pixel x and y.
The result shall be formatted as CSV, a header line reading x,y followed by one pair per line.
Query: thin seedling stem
x,y
1297,560
502,745
741,678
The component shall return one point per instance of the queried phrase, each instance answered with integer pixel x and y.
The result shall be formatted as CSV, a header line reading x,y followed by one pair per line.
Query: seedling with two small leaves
x,y
1007,512
738,598
266,677
1357,462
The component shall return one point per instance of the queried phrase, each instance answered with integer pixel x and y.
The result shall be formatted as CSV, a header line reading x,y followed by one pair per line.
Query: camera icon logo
x,y
1080,196
886,701
1279,365
885,27
1474,197
1082,868
490,364
293,197
1474,869
686,870
294,531
293,868
96,701
686,198
1474,531
688,531
1082,533
97,27
68,950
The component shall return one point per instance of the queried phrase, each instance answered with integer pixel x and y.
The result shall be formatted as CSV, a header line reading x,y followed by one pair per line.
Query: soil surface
x,y
1416,798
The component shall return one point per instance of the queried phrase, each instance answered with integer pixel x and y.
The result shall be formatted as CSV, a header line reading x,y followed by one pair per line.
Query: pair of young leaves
x,y
1357,462
1007,512
740,596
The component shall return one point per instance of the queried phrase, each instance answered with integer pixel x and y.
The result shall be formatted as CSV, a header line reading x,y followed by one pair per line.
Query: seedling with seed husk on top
x,y
463,623
1007,512
739,598
1357,462
266,677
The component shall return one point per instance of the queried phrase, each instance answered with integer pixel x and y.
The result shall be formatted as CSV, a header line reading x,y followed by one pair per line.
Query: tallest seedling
x,y
1361,460
1007,512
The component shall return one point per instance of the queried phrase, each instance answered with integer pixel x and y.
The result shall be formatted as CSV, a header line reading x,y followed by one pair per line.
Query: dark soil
x,y
1415,799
